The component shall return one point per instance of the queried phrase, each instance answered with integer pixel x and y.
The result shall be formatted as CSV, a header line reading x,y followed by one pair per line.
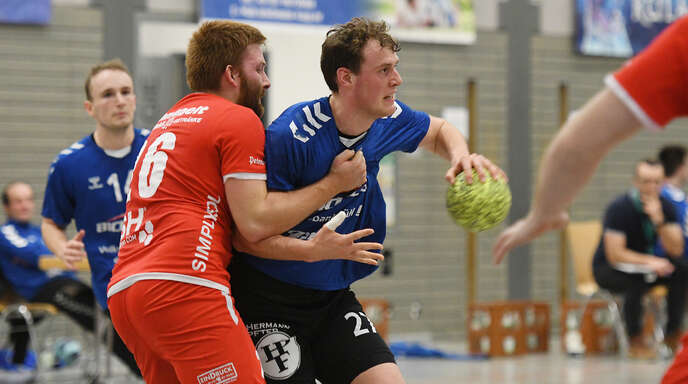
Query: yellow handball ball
x,y
480,205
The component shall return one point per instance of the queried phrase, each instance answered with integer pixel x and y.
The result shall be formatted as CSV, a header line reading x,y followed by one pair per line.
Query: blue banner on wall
x,y
321,12
25,11
422,20
622,28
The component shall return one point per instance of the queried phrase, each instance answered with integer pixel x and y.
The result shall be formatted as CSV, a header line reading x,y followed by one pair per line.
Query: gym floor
x,y
553,367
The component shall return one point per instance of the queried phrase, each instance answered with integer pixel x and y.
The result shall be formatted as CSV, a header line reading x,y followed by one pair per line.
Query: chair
x,y
11,307
583,238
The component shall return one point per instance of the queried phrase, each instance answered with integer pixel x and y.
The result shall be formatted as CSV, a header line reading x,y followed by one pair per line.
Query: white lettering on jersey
x,y
170,117
205,238
128,221
108,249
252,160
109,226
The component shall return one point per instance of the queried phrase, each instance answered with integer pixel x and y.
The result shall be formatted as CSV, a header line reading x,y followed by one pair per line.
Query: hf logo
x,y
280,355
146,235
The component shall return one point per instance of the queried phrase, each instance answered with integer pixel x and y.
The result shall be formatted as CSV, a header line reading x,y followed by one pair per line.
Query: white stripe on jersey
x,y
131,280
13,236
244,176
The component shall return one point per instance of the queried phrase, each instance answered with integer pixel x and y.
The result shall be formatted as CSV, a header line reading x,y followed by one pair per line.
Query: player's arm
x,y
671,237
326,245
617,252
568,164
259,214
26,254
70,251
446,141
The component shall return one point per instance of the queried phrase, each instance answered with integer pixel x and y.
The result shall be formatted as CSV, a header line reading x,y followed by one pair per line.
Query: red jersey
x,y
177,224
654,84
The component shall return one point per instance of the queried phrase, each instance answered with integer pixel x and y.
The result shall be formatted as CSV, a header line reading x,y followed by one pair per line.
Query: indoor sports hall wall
x,y
42,71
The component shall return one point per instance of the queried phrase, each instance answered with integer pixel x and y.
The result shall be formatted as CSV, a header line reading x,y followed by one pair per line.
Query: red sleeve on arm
x,y
654,84
241,145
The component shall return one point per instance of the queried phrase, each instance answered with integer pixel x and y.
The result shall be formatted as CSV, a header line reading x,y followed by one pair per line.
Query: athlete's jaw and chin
x,y
250,95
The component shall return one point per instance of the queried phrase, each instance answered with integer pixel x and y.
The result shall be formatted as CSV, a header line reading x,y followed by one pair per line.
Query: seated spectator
x,y
21,247
625,261
673,159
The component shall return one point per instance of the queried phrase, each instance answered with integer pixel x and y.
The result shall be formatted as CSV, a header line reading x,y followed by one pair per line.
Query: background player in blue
x,y
89,181
305,321
21,248
673,159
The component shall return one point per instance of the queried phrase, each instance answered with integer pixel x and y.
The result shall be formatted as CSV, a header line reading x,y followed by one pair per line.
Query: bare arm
x,y
445,140
259,214
70,251
671,238
568,164
617,252
326,245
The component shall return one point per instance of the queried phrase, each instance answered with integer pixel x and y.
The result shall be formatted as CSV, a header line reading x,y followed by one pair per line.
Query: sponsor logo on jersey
x,y
252,160
95,183
130,221
259,329
176,116
348,211
111,225
146,235
112,248
205,239
280,355
220,375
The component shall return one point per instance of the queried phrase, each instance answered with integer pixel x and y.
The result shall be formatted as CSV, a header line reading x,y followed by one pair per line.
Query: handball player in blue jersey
x,y
88,182
305,321
21,249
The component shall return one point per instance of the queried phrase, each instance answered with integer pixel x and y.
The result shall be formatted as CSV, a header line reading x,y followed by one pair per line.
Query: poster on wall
x,y
437,21
25,11
622,28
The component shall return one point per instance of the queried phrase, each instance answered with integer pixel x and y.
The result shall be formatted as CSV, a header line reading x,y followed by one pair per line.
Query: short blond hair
x,y
114,64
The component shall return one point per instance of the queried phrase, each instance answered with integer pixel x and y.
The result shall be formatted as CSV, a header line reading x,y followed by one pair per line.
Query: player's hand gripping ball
x,y
480,205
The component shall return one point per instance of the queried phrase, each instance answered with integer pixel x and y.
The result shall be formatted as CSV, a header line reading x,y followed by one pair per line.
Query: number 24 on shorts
x,y
358,329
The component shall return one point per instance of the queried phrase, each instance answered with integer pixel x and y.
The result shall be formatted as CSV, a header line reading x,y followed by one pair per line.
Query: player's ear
x,y
88,106
231,76
345,77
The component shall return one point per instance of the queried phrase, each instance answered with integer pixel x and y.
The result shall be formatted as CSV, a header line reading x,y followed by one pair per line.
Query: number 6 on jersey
x,y
157,160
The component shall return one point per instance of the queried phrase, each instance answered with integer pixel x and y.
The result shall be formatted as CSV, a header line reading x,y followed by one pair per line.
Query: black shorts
x,y
302,334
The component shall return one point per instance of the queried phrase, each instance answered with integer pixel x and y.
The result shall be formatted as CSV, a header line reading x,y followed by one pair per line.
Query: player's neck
x,y
107,138
349,119
225,93
675,182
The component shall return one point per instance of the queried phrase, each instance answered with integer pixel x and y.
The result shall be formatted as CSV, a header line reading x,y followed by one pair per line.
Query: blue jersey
x,y
90,185
299,148
678,200
21,245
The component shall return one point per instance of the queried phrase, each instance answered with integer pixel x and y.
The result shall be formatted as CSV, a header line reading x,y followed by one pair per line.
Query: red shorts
x,y
678,371
184,333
